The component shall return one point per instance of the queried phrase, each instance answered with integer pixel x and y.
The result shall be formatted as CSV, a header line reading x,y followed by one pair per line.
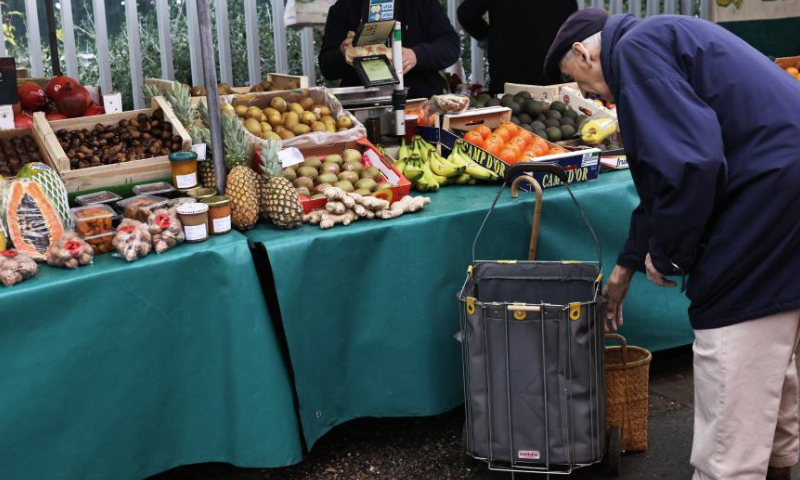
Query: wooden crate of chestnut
x,y
115,149
18,147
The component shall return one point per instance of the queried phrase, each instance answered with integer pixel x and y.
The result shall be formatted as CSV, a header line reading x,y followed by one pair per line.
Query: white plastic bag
x,y
306,13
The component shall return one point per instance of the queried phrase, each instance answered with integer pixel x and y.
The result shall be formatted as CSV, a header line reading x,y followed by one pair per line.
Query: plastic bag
x,y
306,13
448,104
133,240
166,230
16,267
596,131
70,251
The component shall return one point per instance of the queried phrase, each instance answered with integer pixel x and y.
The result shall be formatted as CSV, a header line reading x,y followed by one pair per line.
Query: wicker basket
x,y
627,390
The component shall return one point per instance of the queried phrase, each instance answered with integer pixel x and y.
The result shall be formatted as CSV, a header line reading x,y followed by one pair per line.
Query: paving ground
x,y
430,448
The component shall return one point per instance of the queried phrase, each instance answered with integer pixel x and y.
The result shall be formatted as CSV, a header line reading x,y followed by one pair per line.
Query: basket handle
x,y
623,343
544,167
537,210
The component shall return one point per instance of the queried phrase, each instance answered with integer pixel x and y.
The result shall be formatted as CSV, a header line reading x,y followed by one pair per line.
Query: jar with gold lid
x,y
219,214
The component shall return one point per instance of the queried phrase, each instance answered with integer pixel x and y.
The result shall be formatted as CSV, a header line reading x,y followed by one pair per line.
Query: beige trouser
x,y
745,391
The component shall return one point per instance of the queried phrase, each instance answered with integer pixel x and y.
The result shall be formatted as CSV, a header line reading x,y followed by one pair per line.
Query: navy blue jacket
x,y
712,132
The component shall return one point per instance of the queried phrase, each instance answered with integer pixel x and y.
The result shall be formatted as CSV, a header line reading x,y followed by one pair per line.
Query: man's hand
x,y
654,275
409,60
347,42
614,292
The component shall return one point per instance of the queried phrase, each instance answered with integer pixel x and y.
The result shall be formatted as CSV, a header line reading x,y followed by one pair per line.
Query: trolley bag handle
x,y
542,167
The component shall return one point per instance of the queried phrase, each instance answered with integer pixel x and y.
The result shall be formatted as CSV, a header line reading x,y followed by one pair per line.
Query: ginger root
x,y
336,207
406,204
337,194
329,220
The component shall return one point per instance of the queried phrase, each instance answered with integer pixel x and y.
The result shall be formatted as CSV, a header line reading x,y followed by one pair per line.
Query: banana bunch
x,y
595,132
427,170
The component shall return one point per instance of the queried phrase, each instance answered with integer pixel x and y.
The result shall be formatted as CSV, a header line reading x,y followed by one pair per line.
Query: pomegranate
x,y
72,100
31,96
57,84
55,116
94,109
23,120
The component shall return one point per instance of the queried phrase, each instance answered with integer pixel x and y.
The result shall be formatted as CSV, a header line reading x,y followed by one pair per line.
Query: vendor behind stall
x,y
430,43
711,129
517,35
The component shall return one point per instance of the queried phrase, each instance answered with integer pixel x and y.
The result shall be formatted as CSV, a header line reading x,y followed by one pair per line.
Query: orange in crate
x,y
511,128
520,142
503,133
508,155
474,138
483,131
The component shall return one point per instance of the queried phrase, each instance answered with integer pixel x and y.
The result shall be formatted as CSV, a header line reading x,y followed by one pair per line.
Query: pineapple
x,y
234,141
207,174
149,92
242,189
277,197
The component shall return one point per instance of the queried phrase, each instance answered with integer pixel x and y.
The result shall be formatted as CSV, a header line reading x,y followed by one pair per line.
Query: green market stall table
x,y
369,310
121,371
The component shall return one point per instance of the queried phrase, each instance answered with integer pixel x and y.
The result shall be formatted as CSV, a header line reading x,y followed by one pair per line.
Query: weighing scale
x,y
383,94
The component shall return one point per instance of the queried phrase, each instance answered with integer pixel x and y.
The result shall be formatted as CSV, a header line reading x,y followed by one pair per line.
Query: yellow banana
x,y
480,173
403,154
430,178
463,179
413,170
440,168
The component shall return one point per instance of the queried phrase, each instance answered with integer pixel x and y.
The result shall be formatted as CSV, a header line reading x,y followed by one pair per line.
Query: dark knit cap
x,y
578,27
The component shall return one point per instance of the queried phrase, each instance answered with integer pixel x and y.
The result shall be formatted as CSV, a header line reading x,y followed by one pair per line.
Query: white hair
x,y
591,43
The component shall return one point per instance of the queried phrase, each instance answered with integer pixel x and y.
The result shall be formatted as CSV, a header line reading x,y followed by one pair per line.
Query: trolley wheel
x,y
614,450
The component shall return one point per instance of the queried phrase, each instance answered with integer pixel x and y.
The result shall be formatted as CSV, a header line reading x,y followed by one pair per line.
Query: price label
x,y
290,156
200,150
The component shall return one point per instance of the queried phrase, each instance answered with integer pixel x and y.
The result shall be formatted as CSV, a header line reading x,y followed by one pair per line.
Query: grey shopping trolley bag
x,y
533,357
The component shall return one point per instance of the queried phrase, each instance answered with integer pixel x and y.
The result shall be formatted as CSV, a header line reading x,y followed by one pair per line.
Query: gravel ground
x,y
381,449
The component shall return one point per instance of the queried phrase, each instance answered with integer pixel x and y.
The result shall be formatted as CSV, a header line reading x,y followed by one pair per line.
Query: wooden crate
x,y
20,132
787,62
279,79
106,175
492,117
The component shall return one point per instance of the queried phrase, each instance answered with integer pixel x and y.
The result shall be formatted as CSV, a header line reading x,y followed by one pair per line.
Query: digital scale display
x,y
375,71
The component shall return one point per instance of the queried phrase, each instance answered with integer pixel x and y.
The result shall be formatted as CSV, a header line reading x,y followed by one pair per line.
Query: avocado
x,y
553,114
540,133
493,102
553,134
507,101
567,131
568,121
516,108
538,125
569,114
527,127
484,97
529,106
542,107
539,118
558,106
480,105
552,122
525,118
473,102
522,95
515,120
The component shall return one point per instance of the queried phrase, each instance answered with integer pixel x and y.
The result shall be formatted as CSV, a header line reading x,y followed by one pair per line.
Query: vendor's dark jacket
x,y
711,129
426,30
519,33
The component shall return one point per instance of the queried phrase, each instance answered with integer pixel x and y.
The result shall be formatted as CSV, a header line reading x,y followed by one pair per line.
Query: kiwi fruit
x,y
353,166
344,122
303,182
330,178
366,183
296,108
349,175
318,127
363,192
317,196
286,134
320,187
309,172
240,110
382,186
334,158
307,118
371,172
312,161
289,174
344,185
352,155
330,167
307,103
290,119
253,126
303,191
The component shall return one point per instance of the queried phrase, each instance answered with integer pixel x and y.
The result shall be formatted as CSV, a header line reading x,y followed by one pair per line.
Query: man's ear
x,y
582,52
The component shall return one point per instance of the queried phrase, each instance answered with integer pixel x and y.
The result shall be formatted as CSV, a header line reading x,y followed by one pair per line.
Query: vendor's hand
x,y
347,42
614,292
409,60
654,275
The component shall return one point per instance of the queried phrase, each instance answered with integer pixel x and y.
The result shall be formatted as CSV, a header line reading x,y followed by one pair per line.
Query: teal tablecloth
x,y
120,371
370,309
